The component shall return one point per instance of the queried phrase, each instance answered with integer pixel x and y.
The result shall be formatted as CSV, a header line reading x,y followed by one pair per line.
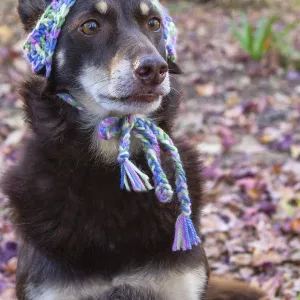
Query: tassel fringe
x,y
185,234
138,180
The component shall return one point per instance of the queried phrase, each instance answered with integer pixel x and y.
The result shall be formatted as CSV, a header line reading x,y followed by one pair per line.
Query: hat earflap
x,y
169,30
40,45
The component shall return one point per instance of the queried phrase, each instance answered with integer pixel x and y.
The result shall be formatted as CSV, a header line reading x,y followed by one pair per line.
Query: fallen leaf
x,y
5,34
295,151
241,259
296,225
260,257
206,90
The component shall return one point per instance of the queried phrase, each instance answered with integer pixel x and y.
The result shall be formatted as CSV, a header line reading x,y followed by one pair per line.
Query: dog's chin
x,y
145,105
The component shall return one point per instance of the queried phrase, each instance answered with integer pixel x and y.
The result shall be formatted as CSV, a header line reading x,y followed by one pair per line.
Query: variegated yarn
x,y
169,30
39,49
41,42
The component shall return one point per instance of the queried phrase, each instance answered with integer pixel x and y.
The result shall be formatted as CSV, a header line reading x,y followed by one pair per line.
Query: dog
x,y
81,236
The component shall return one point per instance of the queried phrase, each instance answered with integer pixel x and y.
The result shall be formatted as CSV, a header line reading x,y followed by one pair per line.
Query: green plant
x,y
255,41
282,43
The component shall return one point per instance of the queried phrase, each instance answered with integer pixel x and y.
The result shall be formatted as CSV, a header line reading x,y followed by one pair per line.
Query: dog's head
x,y
111,54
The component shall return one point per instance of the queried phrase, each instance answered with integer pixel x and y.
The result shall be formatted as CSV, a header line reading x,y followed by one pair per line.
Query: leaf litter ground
x,y
244,118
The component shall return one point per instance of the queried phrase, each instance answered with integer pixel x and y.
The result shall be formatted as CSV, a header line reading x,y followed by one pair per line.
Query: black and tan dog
x,y
81,236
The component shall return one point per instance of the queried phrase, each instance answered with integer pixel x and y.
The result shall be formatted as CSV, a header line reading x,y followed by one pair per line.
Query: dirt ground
x,y
244,118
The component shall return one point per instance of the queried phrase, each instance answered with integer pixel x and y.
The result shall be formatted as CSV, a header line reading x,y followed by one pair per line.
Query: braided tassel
x,y
151,135
131,176
185,233
139,181
162,186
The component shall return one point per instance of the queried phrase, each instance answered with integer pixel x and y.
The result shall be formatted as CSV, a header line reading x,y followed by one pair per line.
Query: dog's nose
x,y
151,70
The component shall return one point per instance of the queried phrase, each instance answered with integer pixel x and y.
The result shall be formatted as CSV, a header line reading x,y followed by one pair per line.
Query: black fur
x,y
30,10
72,217
68,207
127,293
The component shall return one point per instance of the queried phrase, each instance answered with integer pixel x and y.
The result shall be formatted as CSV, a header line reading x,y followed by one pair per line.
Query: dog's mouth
x,y
142,103
142,98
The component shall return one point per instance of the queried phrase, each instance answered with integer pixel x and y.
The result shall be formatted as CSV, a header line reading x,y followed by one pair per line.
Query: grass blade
x,y
263,37
244,35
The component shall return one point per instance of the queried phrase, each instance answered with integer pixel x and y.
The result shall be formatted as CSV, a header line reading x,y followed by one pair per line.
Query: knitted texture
x,y
132,178
41,42
169,30
40,45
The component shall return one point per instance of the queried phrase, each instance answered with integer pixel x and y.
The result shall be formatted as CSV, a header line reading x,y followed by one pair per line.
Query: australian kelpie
x,y
81,236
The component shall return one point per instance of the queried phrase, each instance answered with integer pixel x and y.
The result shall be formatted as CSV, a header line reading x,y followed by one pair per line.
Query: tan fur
x,y
144,8
102,7
230,289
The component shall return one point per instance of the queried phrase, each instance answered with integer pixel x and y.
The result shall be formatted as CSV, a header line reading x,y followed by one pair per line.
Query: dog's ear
x,y
174,68
30,11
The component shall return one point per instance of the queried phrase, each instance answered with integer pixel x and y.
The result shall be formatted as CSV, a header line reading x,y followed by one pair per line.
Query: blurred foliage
x,y
232,5
284,46
242,3
255,41
258,41
239,4
177,7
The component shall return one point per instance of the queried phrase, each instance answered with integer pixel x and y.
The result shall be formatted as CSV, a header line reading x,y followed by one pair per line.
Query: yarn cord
x,y
151,147
151,136
185,233
130,174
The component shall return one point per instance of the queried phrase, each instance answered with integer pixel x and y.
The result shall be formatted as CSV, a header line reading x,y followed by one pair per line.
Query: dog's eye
x,y
154,24
90,27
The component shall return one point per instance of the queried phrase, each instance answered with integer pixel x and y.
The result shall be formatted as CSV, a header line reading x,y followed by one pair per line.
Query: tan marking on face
x,y
102,7
144,8
114,62
136,63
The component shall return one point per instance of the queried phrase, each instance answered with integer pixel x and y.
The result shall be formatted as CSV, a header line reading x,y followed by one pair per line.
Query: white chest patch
x,y
168,285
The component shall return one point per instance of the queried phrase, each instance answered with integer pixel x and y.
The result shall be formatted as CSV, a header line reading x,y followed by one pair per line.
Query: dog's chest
x,y
144,284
